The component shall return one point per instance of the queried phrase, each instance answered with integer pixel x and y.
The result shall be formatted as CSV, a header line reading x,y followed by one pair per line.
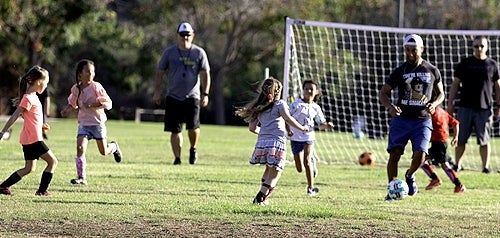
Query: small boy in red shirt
x,y
441,122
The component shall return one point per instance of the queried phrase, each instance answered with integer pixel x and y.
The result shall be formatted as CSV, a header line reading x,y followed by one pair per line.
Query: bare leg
x,y
176,143
29,167
459,155
484,151
392,164
271,177
194,135
81,146
308,166
104,147
51,160
416,161
298,161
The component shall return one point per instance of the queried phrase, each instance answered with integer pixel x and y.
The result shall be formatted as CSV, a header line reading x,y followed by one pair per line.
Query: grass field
x,y
146,196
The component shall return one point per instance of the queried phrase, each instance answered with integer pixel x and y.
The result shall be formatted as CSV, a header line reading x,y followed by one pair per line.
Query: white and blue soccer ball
x,y
397,189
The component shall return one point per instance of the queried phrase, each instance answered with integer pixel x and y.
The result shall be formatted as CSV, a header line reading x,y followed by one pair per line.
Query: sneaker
x,y
412,184
177,161
265,202
312,192
46,193
193,156
5,191
434,184
118,153
389,199
79,180
457,169
460,188
486,171
315,169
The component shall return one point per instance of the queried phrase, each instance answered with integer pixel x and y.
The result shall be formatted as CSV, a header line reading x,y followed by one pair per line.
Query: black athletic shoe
x,y
118,153
193,156
177,161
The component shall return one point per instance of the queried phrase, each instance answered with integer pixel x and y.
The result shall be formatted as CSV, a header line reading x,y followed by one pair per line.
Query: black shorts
x,y
437,152
178,112
35,150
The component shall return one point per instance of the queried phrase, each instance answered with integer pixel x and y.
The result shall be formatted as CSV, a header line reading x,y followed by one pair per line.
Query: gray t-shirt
x,y
183,68
272,125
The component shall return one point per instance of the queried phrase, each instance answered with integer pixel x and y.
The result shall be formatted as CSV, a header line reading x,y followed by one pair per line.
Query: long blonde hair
x,y
270,91
34,74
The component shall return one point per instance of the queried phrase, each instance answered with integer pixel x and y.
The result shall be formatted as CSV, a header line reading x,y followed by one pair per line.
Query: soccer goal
x,y
351,63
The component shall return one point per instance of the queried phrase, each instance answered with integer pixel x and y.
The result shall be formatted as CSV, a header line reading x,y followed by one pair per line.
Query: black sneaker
x,y
193,156
118,153
177,161
486,171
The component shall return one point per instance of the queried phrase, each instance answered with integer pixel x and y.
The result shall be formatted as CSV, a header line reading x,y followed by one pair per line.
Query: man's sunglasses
x,y
477,46
184,34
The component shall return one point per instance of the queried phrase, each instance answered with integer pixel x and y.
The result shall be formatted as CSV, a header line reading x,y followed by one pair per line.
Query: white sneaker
x,y
312,191
79,180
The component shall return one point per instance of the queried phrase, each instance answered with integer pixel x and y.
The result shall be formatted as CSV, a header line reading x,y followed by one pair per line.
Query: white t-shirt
x,y
306,114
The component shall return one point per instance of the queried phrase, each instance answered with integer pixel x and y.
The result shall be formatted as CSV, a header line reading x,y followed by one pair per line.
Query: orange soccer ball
x,y
367,158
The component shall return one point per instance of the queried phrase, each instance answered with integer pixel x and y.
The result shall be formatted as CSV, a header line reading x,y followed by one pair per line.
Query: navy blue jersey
x,y
415,86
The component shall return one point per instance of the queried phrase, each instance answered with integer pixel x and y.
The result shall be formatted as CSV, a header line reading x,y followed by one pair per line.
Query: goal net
x,y
351,63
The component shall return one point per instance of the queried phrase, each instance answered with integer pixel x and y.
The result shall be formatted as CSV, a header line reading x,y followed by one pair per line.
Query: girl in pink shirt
x,y
90,98
30,107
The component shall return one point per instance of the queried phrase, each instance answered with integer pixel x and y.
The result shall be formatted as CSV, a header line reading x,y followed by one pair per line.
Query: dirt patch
x,y
170,229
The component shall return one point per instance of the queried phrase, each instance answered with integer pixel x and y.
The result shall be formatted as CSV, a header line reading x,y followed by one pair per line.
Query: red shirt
x,y
441,121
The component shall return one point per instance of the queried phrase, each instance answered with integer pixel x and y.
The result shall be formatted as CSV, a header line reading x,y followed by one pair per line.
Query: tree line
x,y
125,38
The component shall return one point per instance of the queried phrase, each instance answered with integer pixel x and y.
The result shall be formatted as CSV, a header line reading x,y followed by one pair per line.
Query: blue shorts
x,y
402,130
479,119
298,146
92,132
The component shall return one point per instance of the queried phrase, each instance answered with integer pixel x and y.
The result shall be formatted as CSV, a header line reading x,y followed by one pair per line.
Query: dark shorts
x,y
298,146
178,112
481,120
437,152
35,150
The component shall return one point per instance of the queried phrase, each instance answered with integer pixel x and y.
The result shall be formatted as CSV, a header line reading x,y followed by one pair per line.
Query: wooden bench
x,y
140,111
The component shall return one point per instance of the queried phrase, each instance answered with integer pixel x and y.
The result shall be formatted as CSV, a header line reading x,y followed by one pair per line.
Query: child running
x,y
31,139
441,120
90,98
307,112
267,115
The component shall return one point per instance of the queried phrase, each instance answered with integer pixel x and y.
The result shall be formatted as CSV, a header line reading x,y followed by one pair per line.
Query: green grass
x,y
213,197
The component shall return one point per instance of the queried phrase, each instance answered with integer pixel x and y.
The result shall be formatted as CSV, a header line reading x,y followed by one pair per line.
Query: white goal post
x,y
351,63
